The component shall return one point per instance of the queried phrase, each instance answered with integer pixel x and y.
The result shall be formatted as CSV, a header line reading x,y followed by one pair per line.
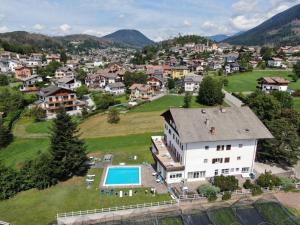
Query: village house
x,y
52,58
269,84
156,83
64,72
140,91
203,143
275,62
68,83
29,83
192,82
232,68
117,88
52,98
179,72
22,72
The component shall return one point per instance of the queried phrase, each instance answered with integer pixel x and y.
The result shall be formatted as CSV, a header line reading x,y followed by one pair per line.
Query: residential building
x,y
269,84
29,83
179,72
64,72
22,72
52,98
203,143
156,83
192,82
140,91
117,88
52,58
275,62
68,83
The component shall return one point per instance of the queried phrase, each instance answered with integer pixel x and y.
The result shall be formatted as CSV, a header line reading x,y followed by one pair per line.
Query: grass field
x,y
245,82
274,214
40,207
223,216
171,221
297,103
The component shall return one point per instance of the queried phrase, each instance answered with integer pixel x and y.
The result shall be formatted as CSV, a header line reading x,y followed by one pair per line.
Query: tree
x,y
297,69
228,183
9,182
266,53
210,92
67,151
285,146
6,136
187,100
50,69
134,77
63,57
265,106
171,84
284,98
113,116
81,75
268,180
81,91
103,101
3,80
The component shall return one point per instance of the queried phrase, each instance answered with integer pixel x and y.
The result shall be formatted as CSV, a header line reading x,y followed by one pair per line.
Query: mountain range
x,y
122,38
281,29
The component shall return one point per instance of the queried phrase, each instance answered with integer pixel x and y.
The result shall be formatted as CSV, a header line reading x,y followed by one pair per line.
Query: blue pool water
x,y
123,176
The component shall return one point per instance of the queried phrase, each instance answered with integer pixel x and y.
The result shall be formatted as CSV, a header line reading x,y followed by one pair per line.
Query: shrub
x,y
212,197
296,93
208,190
248,184
226,196
287,184
256,190
228,183
113,116
268,180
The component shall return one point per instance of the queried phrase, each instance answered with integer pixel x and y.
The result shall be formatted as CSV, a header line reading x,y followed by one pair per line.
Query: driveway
x,y
232,100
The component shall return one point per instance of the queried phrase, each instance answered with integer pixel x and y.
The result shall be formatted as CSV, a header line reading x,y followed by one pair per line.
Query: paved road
x,y
231,100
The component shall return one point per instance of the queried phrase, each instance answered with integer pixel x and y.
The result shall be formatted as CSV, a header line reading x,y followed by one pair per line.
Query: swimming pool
x,y
122,176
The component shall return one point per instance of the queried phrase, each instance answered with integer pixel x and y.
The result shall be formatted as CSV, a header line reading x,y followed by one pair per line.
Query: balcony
x,y
162,153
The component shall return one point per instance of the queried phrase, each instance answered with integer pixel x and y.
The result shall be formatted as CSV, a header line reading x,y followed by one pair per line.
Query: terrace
x,y
162,153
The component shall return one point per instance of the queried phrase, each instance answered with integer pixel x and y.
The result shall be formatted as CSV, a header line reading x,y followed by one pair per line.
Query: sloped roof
x,y
232,123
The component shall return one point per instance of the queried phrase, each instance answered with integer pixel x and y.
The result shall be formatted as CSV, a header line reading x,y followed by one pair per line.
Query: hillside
x,y
131,38
218,37
281,29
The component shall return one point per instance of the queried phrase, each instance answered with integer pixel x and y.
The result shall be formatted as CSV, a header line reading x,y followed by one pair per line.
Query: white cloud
x,y
245,23
187,23
243,6
38,26
65,28
3,29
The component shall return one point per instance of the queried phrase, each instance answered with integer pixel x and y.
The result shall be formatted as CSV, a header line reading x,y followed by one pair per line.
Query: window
x,y
178,175
245,169
237,169
205,160
220,147
225,171
228,147
232,170
197,174
169,131
206,147
227,160
217,160
173,136
238,158
240,145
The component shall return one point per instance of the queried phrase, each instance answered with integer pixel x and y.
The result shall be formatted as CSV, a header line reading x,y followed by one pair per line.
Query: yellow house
x,y
179,72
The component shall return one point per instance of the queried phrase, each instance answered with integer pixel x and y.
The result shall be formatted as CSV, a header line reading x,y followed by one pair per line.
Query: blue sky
x,y
158,19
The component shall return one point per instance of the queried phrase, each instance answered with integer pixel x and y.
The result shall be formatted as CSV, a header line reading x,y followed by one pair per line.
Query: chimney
x,y
212,130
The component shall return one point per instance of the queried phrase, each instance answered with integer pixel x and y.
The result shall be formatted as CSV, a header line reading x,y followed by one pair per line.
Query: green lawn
x,y
245,82
171,221
297,103
274,214
164,103
223,216
36,207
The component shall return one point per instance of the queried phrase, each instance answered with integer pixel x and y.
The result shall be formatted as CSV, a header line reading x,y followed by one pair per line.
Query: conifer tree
x,y
67,151
5,135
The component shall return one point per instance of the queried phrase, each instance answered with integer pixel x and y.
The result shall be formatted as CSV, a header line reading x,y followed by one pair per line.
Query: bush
x,y
208,190
287,184
268,180
248,184
226,196
228,183
212,197
256,190
113,116
296,93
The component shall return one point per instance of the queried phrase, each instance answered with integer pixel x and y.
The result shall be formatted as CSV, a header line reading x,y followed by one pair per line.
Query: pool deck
x,y
147,180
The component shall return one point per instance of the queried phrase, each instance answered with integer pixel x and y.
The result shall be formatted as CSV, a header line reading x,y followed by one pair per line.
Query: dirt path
x,y
289,199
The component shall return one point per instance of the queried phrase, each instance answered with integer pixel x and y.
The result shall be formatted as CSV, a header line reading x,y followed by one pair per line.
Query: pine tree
x,y
67,151
210,92
187,100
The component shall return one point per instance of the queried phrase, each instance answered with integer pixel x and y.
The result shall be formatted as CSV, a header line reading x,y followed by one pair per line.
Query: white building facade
x,y
182,157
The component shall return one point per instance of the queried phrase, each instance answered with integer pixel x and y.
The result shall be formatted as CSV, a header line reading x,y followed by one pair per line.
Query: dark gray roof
x,y
193,78
116,85
231,123
51,90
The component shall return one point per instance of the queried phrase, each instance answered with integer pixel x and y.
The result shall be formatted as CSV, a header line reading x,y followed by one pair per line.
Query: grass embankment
x,y
247,82
223,216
